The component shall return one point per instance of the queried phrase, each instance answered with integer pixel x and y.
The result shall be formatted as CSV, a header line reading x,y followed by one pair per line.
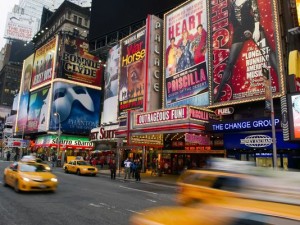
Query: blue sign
x,y
258,124
257,141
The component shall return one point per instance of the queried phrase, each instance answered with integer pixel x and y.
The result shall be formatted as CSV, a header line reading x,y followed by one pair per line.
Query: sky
x,y
5,7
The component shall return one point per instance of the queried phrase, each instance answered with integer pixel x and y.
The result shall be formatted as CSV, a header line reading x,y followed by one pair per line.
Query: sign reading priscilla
x,y
258,124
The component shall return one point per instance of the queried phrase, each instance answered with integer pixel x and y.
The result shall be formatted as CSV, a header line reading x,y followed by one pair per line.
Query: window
x,y
86,21
75,19
79,20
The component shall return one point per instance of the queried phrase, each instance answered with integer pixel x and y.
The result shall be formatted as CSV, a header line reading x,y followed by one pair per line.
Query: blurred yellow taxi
x,y
23,176
80,167
196,186
214,214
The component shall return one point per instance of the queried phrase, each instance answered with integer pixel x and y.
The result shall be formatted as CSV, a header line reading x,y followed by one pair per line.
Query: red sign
x,y
162,116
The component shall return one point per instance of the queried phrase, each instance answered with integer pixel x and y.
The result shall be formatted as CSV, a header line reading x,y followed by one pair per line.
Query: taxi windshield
x,y
32,168
81,163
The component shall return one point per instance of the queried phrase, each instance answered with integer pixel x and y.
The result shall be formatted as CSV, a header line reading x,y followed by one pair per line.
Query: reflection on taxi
x,y
24,176
80,167
31,158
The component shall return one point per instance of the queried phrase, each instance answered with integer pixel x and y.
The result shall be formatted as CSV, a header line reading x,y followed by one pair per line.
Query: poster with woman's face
x,y
244,40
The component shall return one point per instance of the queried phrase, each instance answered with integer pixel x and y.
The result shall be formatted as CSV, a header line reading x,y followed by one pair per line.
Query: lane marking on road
x,y
150,192
129,210
94,205
151,200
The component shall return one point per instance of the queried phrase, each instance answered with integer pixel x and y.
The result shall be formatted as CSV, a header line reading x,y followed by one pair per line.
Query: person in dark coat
x,y
113,169
8,156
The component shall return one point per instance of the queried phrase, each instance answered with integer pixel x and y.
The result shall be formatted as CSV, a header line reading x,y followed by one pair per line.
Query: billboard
x,y
43,66
132,72
38,113
294,116
20,26
185,54
78,108
243,41
76,63
110,104
24,93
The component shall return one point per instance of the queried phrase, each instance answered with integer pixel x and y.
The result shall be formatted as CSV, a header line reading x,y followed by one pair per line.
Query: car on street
x,y
80,167
254,213
24,176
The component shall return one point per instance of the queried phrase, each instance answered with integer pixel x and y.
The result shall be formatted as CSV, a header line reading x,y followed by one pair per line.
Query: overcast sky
x,y
5,7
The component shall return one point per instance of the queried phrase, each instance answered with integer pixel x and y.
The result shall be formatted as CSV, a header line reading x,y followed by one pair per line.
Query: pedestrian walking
x,y
138,170
113,169
133,168
8,156
127,164
53,160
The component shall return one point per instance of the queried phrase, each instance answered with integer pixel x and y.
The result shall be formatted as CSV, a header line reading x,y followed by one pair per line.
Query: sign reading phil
x,y
162,116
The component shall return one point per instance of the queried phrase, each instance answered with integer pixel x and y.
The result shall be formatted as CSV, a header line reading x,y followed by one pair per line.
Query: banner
x,y
76,63
76,107
38,115
185,48
24,94
43,67
20,26
243,41
132,72
110,105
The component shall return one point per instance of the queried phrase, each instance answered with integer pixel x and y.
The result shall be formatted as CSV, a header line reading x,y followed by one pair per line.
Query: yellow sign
x,y
147,139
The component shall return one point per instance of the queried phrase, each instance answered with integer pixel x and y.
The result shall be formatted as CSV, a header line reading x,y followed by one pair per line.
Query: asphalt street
x,y
82,200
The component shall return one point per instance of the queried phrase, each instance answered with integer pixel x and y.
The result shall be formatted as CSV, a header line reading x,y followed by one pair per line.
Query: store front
x,y
172,139
63,146
251,140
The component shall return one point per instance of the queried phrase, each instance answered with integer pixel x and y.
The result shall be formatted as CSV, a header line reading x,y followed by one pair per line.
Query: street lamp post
x,y
59,131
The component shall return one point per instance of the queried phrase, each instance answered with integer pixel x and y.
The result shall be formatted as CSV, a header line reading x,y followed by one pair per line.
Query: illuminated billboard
x,y
24,93
132,72
77,108
185,55
76,63
244,39
110,105
294,116
43,67
38,113
20,26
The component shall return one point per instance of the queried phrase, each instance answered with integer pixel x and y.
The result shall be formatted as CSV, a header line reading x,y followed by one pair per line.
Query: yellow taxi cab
x,y
80,167
33,159
221,214
23,176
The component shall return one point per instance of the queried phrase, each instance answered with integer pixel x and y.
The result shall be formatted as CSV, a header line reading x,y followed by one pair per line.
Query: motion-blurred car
x,y
33,159
80,167
263,213
24,176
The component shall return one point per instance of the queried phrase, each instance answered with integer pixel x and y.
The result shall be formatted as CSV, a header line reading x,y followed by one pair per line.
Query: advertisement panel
x,y
77,108
243,41
185,48
294,117
20,26
43,67
24,93
38,115
76,63
110,104
132,72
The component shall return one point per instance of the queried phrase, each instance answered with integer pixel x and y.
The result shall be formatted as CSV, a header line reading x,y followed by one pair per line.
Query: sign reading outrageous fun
x,y
162,116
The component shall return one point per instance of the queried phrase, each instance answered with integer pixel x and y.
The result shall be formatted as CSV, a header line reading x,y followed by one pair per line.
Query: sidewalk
x,y
164,179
